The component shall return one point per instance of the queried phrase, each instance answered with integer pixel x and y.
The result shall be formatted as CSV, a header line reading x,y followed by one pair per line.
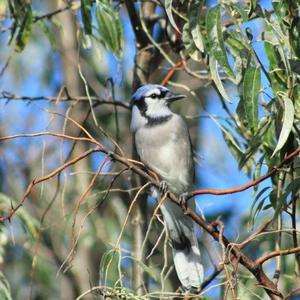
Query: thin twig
x,y
247,185
5,95
276,253
34,182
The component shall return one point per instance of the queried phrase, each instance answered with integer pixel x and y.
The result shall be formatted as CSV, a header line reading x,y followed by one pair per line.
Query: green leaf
x,y
295,37
216,78
293,188
276,73
253,4
49,34
241,52
168,8
260,193
251,89
109,267
86,6
27,221
189,44
145,268
194,23
5,293
227,134
109,28
287,125
254,144
24,31
273,200
257,171
281,9
235,40
215,39
233,145
254,213
258,209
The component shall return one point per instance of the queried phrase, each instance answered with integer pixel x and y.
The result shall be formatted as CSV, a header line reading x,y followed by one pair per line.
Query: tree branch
x,y
254,266
5,95
272,254
246,186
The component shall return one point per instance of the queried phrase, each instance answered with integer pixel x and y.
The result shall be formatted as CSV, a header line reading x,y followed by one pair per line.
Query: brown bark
x,y
142,70
69,50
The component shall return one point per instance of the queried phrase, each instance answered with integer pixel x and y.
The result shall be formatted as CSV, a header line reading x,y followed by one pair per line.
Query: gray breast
x,y
166,149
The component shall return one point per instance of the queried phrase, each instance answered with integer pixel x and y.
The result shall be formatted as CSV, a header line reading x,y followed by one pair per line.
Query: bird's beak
x,y
172,98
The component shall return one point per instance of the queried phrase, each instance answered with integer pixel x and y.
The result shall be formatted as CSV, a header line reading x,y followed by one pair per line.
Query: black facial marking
x,y
163,94
158,120
142,106
152,121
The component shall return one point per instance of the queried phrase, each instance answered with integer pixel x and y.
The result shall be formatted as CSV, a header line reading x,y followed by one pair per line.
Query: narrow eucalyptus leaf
x,y
235,40
213,66
189,44
110,28
48,33
261,192
257,171
240,50
27,221
281,9
194,23
295,36
287,124
253,4
215,39
108,269
145,268
251,89
24,31
227,134
5,292
86,16
276,74
268,206
168,8
293,187
259,208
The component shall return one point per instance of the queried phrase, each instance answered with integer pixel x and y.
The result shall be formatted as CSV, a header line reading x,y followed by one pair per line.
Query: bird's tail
x,y
186,252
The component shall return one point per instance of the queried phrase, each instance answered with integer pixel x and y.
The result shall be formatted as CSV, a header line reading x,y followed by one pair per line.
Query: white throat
x,y
157,109
153,112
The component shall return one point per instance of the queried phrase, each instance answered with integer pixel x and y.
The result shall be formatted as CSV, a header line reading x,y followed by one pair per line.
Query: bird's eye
x,y
153,96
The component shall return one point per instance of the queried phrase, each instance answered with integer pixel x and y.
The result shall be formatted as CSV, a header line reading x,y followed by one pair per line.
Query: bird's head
x,y
150,105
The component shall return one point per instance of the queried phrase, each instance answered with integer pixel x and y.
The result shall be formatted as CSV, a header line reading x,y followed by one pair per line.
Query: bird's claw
x,y
183,201
163,187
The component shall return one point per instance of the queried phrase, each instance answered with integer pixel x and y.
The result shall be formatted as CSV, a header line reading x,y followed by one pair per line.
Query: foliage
x,y
74,210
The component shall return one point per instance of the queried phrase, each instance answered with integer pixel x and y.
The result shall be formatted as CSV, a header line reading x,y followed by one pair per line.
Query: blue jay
x,y
163,143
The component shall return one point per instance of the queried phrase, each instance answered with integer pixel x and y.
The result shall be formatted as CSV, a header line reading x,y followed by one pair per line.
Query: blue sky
x,y
218,169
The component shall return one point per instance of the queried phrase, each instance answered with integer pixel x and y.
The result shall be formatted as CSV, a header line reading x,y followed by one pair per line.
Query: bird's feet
x,y
163,187
183,201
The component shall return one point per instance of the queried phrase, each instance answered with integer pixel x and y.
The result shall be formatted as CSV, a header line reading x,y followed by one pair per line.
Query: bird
x,y
163,144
